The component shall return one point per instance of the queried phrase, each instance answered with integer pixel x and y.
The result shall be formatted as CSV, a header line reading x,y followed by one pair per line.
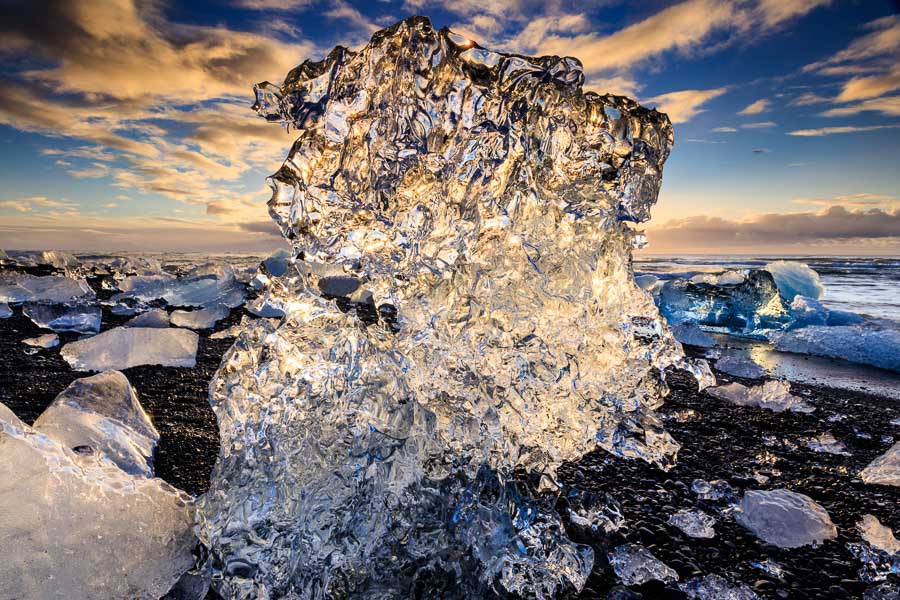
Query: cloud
x,y
774,12
702,141
808,98
861,200
37,203
724,130
859,88
683,105
759,125
272,4
835,130
882,42
835,224
889,105
755,108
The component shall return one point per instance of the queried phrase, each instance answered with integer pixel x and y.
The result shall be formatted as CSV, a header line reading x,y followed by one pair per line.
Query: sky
x,y
125,125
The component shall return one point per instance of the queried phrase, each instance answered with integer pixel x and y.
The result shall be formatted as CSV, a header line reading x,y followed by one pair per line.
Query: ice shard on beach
x,y
462,308
124,347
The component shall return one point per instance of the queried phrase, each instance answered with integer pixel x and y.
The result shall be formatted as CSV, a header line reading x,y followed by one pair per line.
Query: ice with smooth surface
x,y
785,518
884,470
102,414
694,523
204,318
78,317
203,286
48,340
19,287
5,311
774,395
155,317
869,344
716,587
635,565
827,444
462,307
124,347
795,279
878,535
740,365
688,333
76,526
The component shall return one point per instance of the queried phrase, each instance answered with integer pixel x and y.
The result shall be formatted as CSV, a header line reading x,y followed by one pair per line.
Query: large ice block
x,y
871,344
77,317
785,518
461,308
19,287
125,347
884,470
204,318
205,285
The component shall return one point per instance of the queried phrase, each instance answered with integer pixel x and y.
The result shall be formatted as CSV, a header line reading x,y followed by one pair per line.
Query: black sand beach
x,y
719,441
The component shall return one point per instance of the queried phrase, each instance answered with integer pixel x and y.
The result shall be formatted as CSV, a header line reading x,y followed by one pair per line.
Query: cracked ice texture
x,y
467,210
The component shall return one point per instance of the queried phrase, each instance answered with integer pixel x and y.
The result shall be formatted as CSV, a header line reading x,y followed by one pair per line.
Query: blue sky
x,y
126,126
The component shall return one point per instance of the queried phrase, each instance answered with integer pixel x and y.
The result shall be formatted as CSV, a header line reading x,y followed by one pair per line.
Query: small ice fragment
x,y
884,470
694,523
870,344
795,279
277,263
716,489
878,535
771,395
18,287
156,318
827,444
595,512
5,311
123,310
59,259
79,318
125,347
48,340
716,587
785,518
646,282
769,566
205,318
103,413
740,365
635,565
690,334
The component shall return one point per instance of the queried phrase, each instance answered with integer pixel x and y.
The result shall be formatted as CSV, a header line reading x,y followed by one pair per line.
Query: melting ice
x,y
460,308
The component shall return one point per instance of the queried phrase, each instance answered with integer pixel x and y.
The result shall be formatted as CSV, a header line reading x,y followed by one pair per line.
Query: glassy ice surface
x,y
5,311
48,340
635,565
80,318
716,587
785,518
740,365
102,414
878,535
155,317
74,525
124,347
826,443
461,307
869,344
594,512
772,395
203,286
795,279
884,470
688,333
204,318
694,523
18,287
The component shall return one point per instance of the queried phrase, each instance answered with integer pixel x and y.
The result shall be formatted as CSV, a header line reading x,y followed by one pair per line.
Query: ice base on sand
x,y
870,344
635,565
102,414
202,286
827,444
772,395
79,318
694,523
463,308
884,470
125,347
18,287
716,587
785,518
154,318
204,318
48,340
77,526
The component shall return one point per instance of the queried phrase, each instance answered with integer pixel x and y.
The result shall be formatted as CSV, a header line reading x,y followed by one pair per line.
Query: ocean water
x,y
865,285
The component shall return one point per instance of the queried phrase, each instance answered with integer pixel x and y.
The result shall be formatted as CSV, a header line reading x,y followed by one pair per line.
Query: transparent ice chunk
x,y
124,347
78,317
48,340
827,444
19,287
795,279
740,365
884,470
155,317
203,286
878,535
716,587
772,395
874,343
785,518
635,565
204,318
694,523
5,311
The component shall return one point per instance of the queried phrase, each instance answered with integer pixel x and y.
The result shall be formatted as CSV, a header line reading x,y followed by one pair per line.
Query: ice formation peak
x,y
475,203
